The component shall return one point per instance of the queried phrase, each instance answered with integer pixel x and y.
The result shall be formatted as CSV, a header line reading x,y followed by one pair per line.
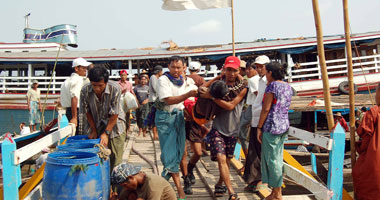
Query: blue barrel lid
x,y
79,146
82,138
72,158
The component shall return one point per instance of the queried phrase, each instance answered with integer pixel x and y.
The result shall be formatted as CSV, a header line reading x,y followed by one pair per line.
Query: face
x,y
99,87
269,77
143,80
176,68
123,76
136,79
242,71
231,74
250,72
35,85
81,71
131,184
261,69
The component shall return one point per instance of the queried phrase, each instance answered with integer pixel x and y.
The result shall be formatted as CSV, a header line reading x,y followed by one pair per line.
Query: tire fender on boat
x,y
343,88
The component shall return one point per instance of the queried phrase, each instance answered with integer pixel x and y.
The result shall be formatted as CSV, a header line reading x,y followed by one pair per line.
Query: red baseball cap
x,y
123,72
232,62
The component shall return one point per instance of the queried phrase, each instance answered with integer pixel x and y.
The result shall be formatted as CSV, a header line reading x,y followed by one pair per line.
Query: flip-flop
x,y
257,188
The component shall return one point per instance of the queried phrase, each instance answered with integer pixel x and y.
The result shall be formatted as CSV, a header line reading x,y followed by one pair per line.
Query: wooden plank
x,y
321,192
313,138
36,178
32,149
35,194
293,162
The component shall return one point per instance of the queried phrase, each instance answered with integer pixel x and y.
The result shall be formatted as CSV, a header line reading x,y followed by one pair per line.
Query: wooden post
x,y
233,27
322,62
350,81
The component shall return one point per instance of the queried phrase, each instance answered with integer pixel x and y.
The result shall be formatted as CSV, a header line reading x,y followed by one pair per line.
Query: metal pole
x,y
233,28
322,62
350,81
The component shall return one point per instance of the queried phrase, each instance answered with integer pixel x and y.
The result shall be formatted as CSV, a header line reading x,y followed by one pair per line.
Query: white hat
x,y
195,65
243,64
262,60
80,62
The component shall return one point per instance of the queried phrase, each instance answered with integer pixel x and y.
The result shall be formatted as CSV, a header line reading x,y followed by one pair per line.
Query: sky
x,y
123,24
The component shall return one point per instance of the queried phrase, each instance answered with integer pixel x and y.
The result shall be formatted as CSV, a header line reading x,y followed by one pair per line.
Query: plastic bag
x,y
129,101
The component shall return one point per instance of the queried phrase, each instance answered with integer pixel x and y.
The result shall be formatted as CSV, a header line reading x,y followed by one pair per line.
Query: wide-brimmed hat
x,y
122,171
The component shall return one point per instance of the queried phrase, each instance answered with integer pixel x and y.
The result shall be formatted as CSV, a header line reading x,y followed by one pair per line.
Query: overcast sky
x,y
126,24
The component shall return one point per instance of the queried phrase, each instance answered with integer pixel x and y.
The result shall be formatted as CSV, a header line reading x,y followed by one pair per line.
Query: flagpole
x,y
350,81
233,28
322,63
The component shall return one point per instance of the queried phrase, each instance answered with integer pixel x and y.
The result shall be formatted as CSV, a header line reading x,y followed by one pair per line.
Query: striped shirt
x,y
102,109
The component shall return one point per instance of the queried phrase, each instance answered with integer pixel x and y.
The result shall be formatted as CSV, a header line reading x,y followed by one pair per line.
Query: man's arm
x,y
230,105
111,123
180,98
91,122
74,111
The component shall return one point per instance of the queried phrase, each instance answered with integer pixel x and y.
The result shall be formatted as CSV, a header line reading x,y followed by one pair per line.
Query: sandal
x,y
220,190
234,196
257,188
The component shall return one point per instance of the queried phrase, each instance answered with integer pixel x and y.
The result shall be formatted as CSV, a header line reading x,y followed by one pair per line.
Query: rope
x,y
361,66
51,79
104,153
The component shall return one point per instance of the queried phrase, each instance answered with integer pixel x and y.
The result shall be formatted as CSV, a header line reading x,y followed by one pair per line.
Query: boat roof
x,y
260,45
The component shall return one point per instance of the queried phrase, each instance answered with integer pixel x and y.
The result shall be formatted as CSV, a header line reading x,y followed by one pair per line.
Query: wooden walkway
x,y
206,172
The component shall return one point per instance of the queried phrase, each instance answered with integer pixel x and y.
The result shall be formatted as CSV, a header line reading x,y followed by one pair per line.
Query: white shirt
x,y
71,88
25,130
33,95
165,89
253,86
258,103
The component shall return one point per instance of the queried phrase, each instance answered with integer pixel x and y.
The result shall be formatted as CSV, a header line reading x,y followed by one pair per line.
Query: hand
x,y
104,139
205,94
145,101
193,93
259,135
93,135
74,121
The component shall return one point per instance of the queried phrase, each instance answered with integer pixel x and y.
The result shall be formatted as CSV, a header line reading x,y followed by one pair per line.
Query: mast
x,y
233,27
350,81
27,20
322,63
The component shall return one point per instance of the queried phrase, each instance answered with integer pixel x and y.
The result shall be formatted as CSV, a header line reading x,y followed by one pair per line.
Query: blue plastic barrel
x,y
82,139
62,182
105,165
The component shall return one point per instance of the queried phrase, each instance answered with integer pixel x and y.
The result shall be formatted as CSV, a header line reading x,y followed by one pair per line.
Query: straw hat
x,y
338,114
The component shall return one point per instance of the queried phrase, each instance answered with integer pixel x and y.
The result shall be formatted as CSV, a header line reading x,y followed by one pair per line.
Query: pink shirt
x,y
127,86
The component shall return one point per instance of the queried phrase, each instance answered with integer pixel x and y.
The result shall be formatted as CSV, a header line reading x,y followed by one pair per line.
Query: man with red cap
x,y
126,86
225,126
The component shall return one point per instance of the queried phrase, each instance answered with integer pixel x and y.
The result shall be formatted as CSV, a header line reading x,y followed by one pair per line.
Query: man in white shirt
x,y
246,115
70,89
172,90
252,167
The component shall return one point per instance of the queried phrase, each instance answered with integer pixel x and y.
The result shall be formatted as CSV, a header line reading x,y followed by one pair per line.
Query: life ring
x,y
343,88
294,92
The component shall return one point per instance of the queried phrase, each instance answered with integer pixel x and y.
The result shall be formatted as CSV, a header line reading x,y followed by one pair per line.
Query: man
x,y
70,89
139,185
33,98
101,103
252,167
157,72
126,86
142,93
170,121
246,115
338,118
194,69
225,126
366,172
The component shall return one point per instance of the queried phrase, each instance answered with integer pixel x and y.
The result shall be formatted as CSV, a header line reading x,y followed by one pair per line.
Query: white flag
x,y
176,5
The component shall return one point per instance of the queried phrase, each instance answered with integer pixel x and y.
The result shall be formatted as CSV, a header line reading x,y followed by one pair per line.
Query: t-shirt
x,y
25,130
153,88
34,95
258,103
228,122
199,80
127,86
71,88
165,89
156,188
277,121
142,92
253,86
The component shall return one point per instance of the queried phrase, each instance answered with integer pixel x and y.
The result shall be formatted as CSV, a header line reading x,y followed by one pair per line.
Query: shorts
x,y
193,132
221,144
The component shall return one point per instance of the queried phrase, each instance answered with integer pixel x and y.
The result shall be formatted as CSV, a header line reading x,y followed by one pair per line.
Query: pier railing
x,y
13,157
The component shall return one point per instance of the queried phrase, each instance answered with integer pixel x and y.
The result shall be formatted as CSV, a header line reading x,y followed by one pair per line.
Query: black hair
x,y
218,89
364,109
278,71
98,73
143,75
177,58
250,63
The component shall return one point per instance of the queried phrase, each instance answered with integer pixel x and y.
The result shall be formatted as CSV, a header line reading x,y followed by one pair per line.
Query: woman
x,y
142,94
273,127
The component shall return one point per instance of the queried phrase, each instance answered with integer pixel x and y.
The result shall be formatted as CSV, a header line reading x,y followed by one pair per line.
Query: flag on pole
x,y
177,5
